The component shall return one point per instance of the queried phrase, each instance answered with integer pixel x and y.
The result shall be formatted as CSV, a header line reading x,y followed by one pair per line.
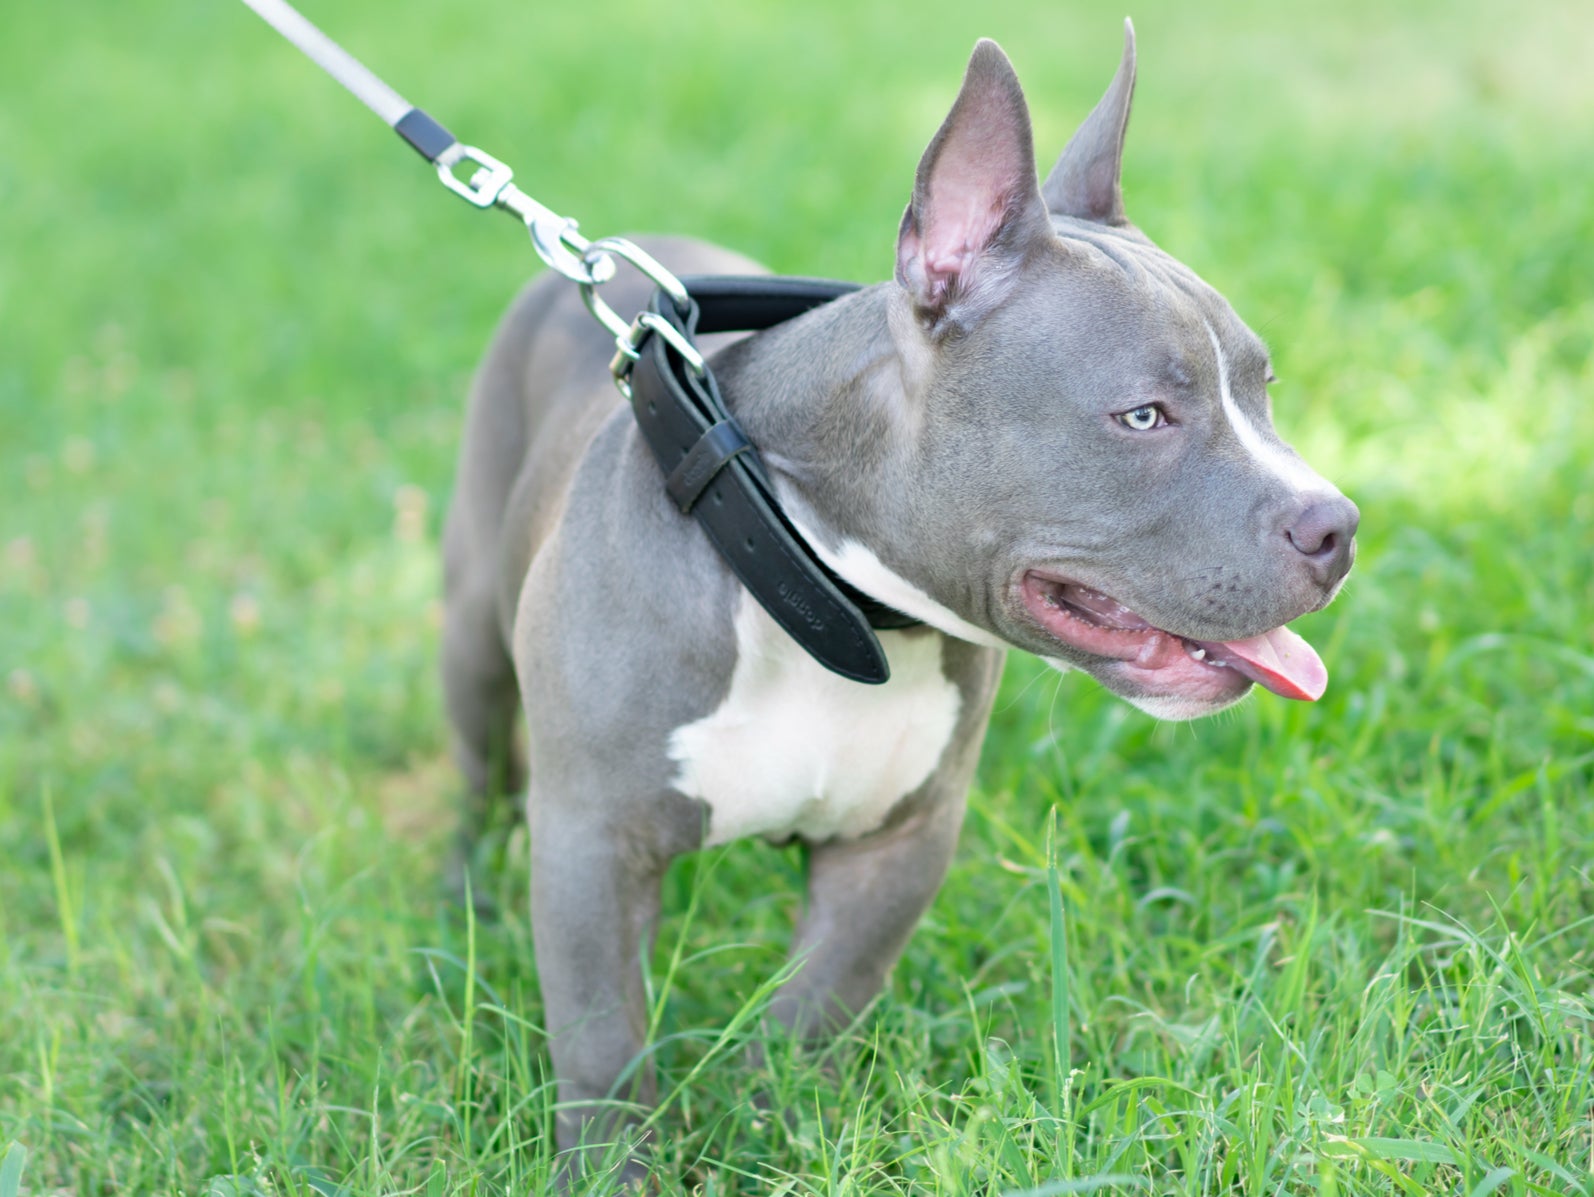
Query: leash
x,y
712,471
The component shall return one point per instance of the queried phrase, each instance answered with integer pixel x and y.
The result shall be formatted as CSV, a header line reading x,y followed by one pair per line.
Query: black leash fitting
x,y
424,135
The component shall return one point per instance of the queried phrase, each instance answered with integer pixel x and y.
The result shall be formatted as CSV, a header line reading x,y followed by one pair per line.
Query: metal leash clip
x,y
556,238
628,338
589,264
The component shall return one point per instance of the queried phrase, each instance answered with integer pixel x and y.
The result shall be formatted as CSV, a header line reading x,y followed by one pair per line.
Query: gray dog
x,y
1045,433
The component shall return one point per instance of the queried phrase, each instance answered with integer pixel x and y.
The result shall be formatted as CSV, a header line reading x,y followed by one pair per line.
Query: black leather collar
x,y
713,472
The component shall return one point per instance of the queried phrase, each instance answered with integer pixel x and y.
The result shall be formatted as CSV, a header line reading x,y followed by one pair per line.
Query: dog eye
x,y
1142,419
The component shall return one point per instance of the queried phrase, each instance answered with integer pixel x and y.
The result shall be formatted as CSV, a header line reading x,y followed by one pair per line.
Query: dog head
x,y
1094,472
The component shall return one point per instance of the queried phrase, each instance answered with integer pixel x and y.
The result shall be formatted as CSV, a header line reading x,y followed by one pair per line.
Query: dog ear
x,y
1085,181
976,206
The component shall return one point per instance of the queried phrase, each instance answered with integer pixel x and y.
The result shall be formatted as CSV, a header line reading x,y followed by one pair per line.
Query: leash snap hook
x,y
557,243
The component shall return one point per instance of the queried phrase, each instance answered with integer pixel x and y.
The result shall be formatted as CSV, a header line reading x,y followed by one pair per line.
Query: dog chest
x,y
796,750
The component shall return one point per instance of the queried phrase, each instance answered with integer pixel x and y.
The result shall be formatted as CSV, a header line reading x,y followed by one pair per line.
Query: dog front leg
x,y
864,898
594,907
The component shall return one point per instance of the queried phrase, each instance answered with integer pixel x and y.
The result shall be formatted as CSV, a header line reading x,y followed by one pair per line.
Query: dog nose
x,y
1324,532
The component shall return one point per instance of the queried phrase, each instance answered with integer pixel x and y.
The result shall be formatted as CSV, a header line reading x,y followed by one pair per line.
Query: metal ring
x,y
604,314
633,253
688,351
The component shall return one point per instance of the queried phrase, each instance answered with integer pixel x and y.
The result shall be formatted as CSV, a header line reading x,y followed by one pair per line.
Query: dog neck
x,y
829,380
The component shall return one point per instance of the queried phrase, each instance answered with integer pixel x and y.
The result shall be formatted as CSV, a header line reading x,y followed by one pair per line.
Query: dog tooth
x,y
1200,654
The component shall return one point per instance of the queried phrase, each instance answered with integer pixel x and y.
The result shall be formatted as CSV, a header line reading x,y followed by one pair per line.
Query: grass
x,y
1338,949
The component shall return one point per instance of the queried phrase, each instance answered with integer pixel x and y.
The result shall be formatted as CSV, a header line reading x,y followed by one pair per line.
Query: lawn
x,y
1344,948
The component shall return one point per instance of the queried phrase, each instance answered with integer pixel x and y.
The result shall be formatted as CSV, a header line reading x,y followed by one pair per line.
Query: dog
x,y
1045,433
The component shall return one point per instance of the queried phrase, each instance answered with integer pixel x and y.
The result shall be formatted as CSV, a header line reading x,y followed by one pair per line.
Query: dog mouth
x,y
1165,663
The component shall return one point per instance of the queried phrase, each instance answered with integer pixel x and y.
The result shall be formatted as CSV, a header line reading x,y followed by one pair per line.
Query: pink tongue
x,y
1281,661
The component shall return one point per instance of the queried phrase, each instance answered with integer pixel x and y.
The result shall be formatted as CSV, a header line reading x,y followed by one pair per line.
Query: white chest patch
x,y
796,750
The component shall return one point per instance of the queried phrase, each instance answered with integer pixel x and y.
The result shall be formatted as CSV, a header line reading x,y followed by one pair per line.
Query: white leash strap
x,y
334,60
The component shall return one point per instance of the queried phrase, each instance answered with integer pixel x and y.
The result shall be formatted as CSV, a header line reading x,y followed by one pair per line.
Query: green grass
x,y
1338,949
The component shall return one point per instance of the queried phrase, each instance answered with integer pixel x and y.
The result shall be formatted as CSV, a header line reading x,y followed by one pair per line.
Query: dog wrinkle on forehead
x,y
793,749
1133,255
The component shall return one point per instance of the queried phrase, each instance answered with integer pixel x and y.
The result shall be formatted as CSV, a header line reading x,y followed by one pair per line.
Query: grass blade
x,y
1083,1184
1062,1045
1491,1182
11,1169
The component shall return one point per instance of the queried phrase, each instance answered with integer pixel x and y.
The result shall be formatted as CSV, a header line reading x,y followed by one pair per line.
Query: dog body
x,y
1041,411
